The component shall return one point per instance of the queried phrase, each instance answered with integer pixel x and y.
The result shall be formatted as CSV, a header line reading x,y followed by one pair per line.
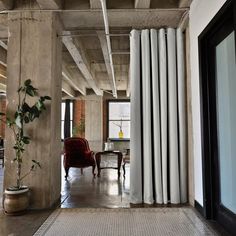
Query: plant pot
x,y
16,202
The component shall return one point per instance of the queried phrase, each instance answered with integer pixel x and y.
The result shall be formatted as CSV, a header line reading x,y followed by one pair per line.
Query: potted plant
x,y
16,198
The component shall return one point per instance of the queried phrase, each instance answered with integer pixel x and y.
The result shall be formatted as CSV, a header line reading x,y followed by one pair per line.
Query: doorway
x,y
218,86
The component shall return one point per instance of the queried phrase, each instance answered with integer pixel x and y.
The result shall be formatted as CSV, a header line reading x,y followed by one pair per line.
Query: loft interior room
x,y
116,117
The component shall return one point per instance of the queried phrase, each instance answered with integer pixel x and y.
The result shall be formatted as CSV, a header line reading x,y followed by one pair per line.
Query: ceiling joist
x,y
95,4
123,18
76,53
3,88
3,45
6,4
50,4
184,3
66,88
73,82
3,56
142,3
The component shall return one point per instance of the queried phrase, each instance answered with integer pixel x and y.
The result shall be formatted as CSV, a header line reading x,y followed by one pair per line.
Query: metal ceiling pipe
x,y
105,18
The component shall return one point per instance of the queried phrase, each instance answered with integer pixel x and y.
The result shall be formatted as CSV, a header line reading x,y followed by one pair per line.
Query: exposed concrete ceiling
x,y
86,68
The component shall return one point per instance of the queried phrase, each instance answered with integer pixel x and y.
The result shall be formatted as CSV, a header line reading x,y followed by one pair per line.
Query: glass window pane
x,y
119,110
226,117
71,110
62,129
114,129
63,107
71,127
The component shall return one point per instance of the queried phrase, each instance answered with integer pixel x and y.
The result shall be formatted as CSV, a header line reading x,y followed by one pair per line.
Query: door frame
x,y
207,89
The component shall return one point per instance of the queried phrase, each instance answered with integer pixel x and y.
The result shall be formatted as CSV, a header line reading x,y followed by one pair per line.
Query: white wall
x,y
201,13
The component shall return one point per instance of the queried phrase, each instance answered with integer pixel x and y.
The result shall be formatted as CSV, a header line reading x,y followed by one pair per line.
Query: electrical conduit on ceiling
x,y
105,17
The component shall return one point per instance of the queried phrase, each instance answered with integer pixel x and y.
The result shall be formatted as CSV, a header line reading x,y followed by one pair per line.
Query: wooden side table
x,y
98,161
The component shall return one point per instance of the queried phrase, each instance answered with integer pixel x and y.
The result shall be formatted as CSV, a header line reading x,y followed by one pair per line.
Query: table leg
x,y
119,162
98,161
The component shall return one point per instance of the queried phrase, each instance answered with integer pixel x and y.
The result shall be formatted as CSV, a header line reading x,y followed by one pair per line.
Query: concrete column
x,y
34,52
93,122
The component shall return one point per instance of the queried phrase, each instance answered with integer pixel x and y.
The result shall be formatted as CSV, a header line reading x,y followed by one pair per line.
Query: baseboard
x,y
199,207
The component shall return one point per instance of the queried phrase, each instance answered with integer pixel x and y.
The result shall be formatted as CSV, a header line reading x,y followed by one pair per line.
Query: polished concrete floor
x,y
107,191
79,191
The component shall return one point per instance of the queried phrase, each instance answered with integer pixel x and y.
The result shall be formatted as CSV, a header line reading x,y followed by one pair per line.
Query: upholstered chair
x,y
78,154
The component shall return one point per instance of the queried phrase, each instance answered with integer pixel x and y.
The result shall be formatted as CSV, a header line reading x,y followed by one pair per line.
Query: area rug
x,y
124,222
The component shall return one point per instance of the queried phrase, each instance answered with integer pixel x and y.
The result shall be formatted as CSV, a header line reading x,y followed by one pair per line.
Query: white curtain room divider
x,y
158,167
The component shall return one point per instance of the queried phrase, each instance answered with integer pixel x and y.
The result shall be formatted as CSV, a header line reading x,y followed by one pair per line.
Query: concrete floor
x,y
106,191
78,191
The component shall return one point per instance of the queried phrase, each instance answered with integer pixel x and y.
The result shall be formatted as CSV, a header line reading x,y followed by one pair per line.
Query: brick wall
x,y
79,116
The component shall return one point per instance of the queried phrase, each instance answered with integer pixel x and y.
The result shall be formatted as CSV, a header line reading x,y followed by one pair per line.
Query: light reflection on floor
x,y
85,191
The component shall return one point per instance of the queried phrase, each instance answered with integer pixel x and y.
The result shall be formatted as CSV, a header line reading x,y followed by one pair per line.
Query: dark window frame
x,y
217,29
107,135
71,118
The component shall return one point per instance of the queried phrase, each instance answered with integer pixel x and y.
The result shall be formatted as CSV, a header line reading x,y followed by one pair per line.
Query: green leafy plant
x,y
24,115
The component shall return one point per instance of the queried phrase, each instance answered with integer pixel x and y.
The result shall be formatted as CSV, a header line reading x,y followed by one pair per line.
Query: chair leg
x,y
93,171
124,170
82,171
67,171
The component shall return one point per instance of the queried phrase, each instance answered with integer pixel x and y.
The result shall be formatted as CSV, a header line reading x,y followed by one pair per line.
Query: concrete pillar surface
x,y
93,122
34,52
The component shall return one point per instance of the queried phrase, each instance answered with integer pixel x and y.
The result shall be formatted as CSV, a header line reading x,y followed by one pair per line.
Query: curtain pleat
x,y
147,129
156,118
158,170
172,118
136,192
182,116
163,110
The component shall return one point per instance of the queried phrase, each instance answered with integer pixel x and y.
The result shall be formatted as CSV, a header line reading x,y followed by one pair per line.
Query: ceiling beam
x,y
3,45
3,88
95,4
142,3
6,4
77,53
69,78
183,24
3,56
66,88
50,4
184,3
103,42
3,72
121,52
123,18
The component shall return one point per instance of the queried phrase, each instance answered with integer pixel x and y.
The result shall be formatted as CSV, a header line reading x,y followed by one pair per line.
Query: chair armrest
x,y
89,154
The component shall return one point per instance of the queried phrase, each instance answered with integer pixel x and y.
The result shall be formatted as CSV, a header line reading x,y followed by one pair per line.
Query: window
x,y
63,107
118,119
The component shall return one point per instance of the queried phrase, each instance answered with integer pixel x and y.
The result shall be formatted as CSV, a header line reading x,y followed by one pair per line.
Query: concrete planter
x,y
16,202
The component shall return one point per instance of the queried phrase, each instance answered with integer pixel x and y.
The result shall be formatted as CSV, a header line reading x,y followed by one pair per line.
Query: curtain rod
x,y
91,35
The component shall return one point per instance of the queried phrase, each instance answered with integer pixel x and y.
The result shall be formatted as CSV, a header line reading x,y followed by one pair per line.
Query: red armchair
x,y
77,154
